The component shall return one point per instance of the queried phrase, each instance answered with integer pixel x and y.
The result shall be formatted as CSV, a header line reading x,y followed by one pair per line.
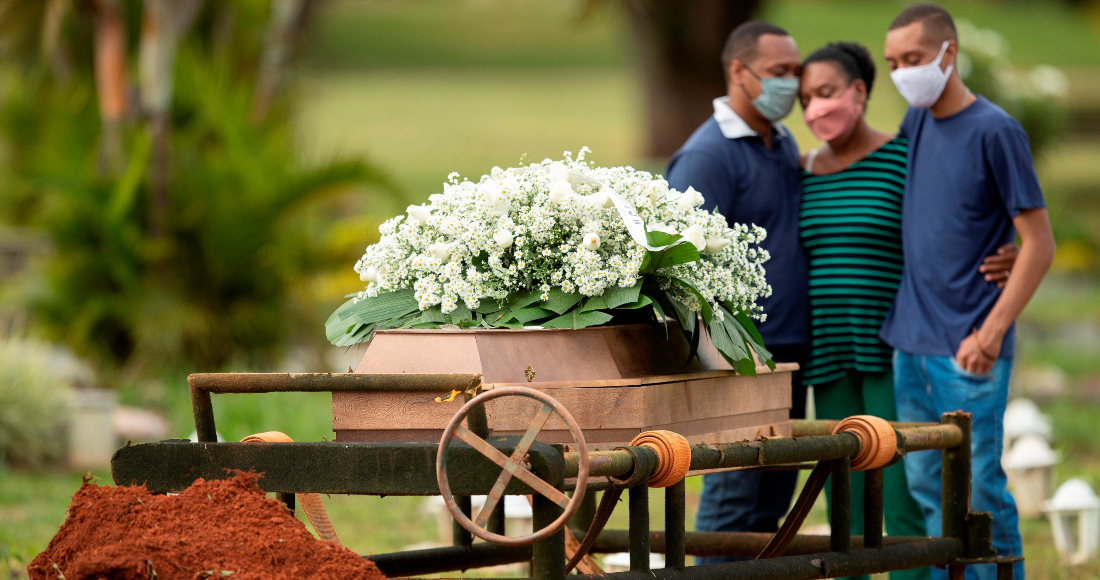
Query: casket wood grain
x,y
617,381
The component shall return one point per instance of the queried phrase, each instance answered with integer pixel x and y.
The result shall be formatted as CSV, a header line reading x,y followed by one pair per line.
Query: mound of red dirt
x,y
217,530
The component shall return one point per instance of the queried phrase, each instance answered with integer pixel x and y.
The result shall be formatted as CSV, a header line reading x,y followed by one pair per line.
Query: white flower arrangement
x,y
549,245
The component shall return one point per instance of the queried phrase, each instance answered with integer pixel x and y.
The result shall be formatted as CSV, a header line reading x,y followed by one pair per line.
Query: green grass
x,y
448,33
551,33
423,124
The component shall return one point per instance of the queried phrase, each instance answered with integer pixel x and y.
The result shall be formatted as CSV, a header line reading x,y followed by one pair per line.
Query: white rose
x,y
558,191
491,190
690,199
511,183
387,241
503,238
501,207
657,188
603,198
590,242
715,245
419,213
558,171
696,236
436,197
440,250
383,272
369,274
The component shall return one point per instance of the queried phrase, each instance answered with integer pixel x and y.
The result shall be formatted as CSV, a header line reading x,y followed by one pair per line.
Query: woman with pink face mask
x,y
850,223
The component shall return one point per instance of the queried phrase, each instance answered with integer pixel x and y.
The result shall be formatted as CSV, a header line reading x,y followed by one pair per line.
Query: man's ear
x,y
951,55
734,72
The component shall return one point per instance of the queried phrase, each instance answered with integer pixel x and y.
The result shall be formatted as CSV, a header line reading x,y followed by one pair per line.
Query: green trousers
x,y
873,394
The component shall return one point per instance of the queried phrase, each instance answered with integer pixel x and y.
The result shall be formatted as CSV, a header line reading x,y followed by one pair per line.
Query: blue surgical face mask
x,y
777,96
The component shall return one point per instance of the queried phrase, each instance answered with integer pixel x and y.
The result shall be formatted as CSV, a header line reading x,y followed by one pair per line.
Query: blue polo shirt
x,y
748,183
969,175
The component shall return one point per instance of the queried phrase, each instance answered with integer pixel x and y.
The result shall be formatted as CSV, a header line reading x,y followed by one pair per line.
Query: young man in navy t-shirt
x,y
745,164
971,188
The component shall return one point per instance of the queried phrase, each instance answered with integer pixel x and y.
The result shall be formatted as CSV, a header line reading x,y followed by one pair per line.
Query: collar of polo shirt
x,y
733,126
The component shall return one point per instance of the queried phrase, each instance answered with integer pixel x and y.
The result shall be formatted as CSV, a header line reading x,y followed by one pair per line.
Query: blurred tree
x,y
196,279
679,45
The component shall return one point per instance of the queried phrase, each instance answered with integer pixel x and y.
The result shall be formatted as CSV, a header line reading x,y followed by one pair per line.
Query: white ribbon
x,y
634,223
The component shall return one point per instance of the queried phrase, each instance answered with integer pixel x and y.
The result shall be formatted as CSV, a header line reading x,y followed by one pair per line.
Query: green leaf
x,y
747,367
693,351
125,192
434,315
527,315
594,303
356,334
399,322
488,306
577,320
704,306
678,254
481,261
617,295
744,326
660,238
559,301
381,307
516,303
460,314
723,342
685,315
416,324
639,303
746,323
659,310
737,350
336,327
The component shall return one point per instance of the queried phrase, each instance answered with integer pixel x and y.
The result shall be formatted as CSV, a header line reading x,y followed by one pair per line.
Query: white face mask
x,y
922,85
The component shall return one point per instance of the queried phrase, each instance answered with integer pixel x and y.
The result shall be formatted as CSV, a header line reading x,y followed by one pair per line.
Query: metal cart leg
x,y
675,518
547,556
840,518
639,528
872,508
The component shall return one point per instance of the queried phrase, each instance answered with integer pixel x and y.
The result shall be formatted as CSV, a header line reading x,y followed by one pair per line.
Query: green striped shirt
x,y
850,223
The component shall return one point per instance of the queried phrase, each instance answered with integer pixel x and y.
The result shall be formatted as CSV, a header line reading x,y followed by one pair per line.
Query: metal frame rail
x,y
409,469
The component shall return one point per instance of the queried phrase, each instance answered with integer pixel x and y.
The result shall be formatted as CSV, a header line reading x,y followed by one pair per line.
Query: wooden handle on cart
x,y
877,440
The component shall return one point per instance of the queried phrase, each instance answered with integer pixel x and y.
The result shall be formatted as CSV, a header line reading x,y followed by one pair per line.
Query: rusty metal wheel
x,y
512,466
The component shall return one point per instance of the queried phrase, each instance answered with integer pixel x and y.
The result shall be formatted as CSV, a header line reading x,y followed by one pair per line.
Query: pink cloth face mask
x,y
830,119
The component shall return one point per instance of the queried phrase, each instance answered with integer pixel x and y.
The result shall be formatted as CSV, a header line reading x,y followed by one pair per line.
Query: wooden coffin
x,y
617,381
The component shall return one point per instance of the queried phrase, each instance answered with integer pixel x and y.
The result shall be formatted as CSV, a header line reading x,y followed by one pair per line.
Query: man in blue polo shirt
x,y
745,164
971,188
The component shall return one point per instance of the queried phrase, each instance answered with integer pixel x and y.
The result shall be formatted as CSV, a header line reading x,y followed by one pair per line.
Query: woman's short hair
x,y
852,58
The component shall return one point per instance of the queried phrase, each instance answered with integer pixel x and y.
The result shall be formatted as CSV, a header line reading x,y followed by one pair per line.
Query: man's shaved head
x,y
744,42
937,22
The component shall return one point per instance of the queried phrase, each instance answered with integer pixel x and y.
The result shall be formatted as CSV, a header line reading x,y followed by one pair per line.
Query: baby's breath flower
x,y
546,227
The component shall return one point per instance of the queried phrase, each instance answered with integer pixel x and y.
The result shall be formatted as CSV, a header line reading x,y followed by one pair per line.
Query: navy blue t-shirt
x,y
751,184
969,175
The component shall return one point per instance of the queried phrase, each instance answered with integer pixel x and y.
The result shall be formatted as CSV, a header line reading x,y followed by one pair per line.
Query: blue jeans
x,y
743,501
926,387
752,501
